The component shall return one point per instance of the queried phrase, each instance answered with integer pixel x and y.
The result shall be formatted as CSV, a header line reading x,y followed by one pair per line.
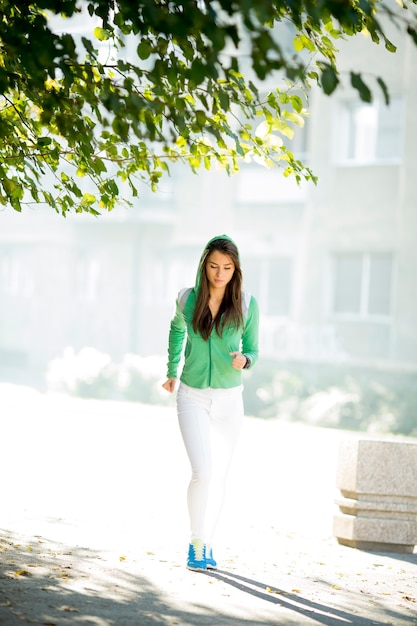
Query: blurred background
x,y
85,303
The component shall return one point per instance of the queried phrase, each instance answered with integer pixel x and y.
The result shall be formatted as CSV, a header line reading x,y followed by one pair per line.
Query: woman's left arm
x,y
250,336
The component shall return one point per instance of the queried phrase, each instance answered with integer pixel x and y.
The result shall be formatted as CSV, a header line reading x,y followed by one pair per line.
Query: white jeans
x,y
210,421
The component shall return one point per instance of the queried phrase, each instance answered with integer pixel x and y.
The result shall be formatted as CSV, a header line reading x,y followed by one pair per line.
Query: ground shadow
x,y
50,583
46,582
318,612
398,556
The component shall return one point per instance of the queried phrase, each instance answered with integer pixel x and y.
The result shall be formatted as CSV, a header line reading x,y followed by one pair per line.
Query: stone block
x,y
378,495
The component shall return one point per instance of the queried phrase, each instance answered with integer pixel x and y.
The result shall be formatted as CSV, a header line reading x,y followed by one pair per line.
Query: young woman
x,y
218,322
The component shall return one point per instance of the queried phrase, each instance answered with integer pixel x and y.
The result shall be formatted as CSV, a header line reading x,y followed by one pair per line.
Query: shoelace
x,y
198,548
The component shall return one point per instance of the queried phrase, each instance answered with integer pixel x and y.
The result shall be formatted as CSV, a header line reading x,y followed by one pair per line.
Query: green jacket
x,y
208,363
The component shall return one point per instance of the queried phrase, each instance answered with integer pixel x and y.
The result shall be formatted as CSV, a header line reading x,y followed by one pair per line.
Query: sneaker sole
x,y
196,569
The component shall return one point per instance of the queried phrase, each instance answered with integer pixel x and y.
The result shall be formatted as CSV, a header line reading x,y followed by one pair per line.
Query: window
x,y
270,282
363,284
279,286
371,132
87,278
165,276
17,273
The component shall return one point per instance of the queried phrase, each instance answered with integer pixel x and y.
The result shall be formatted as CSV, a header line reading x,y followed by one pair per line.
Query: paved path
x,y
93,526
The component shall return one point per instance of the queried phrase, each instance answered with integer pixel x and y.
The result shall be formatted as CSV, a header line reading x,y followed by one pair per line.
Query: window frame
x,y
265,269
345,127
363,313
17,276
87,276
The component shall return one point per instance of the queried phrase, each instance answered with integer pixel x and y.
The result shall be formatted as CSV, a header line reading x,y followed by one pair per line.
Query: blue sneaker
x,y
211,563
197,556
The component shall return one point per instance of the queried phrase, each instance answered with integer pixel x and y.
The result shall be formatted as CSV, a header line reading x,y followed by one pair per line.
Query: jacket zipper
x,y
209,347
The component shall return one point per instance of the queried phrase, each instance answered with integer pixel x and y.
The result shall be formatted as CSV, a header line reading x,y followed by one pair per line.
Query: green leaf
x,y
44,141
301,42
88,46
198,71
64,113
162,46
87,200
98,165
112,187
329,80
101,34
364,91
384,90
296,103
283,128
239,148
412,32
121,128
13,189
224,100
144,49
389,45
293,117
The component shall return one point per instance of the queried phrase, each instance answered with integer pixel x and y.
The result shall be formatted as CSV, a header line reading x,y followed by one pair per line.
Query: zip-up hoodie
x,y
208,363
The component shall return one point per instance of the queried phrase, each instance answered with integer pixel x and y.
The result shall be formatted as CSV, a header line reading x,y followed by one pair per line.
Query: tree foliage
x,y
154,82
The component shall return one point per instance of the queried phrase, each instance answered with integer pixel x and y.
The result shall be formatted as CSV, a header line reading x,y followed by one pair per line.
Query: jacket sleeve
x,y
250,334
177,332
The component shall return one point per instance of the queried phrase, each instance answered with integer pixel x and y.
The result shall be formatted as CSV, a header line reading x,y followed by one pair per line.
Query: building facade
x,y
333,266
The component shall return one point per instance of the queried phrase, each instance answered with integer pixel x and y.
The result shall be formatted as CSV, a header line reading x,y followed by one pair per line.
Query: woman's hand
x,y
169,385
239,360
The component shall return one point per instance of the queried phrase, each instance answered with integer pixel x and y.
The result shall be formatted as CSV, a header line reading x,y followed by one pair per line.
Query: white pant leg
x,y
194,421
210,421
226,423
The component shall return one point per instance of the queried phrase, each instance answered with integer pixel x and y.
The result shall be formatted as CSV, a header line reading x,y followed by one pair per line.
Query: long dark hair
x,y
230,311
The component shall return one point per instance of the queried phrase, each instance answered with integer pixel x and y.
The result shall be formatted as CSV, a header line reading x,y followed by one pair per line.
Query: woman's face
x,y
219,269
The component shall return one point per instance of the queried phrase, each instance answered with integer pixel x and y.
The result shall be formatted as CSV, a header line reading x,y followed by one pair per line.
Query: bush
x,y
331,395
140,379
88,374
91,374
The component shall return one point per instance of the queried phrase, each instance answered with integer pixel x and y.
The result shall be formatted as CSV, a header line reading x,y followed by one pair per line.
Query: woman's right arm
x,y
177,332
169,384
